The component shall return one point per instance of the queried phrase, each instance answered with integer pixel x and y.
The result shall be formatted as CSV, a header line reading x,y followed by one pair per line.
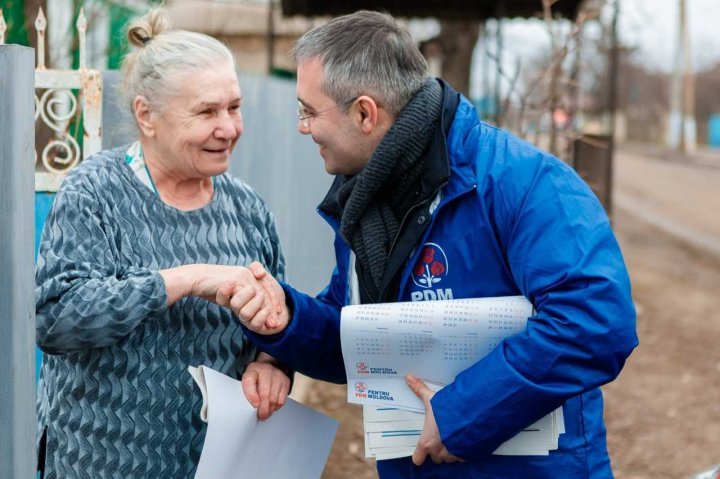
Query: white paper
x,y
293,443
390,413
392,433
434,340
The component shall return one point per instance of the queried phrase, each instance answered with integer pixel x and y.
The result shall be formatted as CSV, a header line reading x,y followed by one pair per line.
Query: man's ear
x,y
367,111
143,116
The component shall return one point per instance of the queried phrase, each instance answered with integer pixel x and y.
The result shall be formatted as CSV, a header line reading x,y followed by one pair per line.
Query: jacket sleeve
x,y
311,342
83,299
564,258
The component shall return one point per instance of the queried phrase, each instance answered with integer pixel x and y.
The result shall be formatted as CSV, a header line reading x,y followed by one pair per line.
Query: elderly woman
x,y
138,241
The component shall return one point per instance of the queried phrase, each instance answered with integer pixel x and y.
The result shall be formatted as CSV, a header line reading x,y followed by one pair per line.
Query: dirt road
x,y
663,412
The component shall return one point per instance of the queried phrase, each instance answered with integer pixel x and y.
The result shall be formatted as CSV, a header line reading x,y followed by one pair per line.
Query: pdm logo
x,y
361,390
428,273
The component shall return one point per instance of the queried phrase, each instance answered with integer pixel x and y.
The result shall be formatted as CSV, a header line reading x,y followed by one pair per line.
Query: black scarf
x,y
375,200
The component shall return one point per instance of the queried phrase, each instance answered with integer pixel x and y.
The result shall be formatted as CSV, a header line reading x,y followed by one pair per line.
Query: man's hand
x,y
265,386
249,301
429,443
204,280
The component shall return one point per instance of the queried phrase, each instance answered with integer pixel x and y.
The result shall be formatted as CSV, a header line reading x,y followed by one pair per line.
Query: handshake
x,y
252,293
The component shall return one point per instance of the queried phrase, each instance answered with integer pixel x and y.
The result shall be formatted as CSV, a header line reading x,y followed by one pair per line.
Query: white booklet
x,y
391,433
293,443
434,340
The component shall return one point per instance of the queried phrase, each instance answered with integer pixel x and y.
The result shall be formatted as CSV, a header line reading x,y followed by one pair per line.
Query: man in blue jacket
x,y
430,203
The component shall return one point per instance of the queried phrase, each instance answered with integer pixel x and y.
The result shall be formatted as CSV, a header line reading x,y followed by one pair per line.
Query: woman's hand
x,y
204,281
266,387
247,301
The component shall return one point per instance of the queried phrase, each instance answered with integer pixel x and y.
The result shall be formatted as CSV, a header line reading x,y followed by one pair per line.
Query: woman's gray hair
x,y
365,53
163,57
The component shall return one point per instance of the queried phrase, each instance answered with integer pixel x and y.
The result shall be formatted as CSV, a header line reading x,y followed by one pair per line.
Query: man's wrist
x,y
263,357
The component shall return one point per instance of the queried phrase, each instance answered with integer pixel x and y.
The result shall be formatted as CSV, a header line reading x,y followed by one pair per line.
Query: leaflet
x,y
292,444
391,433
434,340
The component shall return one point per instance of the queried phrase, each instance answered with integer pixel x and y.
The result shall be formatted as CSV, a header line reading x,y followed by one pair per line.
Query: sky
x,y
652,26
649,26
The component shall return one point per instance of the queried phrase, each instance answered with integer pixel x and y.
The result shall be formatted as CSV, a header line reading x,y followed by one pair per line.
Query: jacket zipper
x,y
397,236
405,217
361,280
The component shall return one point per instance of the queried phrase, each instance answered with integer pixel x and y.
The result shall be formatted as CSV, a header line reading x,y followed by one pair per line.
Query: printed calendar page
x,y
434,340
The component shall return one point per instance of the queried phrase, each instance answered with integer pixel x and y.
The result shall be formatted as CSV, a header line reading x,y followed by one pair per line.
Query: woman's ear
x,y
143,116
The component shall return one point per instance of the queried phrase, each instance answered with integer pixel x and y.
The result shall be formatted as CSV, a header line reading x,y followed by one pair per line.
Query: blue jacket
x,y
511,220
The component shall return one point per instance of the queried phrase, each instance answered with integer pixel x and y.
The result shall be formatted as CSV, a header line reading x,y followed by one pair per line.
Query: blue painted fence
x,y
43,203
714,131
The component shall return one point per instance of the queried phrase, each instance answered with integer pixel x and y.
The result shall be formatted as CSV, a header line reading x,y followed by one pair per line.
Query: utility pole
x,y
498,70
689,138
682,127
612,105
485,106
614,67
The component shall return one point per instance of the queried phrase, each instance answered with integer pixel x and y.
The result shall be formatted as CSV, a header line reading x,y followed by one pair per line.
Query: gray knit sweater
x,y
114,393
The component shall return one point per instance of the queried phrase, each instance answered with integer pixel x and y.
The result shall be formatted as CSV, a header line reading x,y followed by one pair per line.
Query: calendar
x,y
434,340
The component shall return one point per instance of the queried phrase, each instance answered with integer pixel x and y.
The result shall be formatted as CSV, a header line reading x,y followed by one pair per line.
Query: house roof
x,y
441,9
234,18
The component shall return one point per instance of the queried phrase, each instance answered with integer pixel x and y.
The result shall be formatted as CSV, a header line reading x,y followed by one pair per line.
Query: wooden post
x,y
17,282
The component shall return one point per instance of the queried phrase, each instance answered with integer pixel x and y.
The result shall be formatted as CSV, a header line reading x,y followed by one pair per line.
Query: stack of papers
x,y
392,432
434,340
294,443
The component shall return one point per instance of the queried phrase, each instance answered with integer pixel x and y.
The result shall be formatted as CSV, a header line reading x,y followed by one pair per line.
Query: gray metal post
x,y
17,283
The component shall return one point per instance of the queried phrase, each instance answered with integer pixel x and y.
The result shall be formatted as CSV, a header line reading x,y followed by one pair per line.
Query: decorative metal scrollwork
x,y
57,107
60,109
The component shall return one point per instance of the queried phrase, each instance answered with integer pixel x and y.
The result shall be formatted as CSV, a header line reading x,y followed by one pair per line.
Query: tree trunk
x,y
457,39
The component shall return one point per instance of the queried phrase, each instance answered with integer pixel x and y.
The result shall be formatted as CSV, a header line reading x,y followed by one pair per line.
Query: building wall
x,y
244,27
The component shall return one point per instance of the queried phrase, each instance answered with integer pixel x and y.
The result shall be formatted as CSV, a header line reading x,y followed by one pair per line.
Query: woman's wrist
x,y
179,282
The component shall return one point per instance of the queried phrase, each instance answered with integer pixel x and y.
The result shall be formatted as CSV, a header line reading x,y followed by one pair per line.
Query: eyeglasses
x,y
304,115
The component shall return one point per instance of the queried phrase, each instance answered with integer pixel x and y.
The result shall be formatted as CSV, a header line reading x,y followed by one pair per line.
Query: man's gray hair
x,y
365,53
163,57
